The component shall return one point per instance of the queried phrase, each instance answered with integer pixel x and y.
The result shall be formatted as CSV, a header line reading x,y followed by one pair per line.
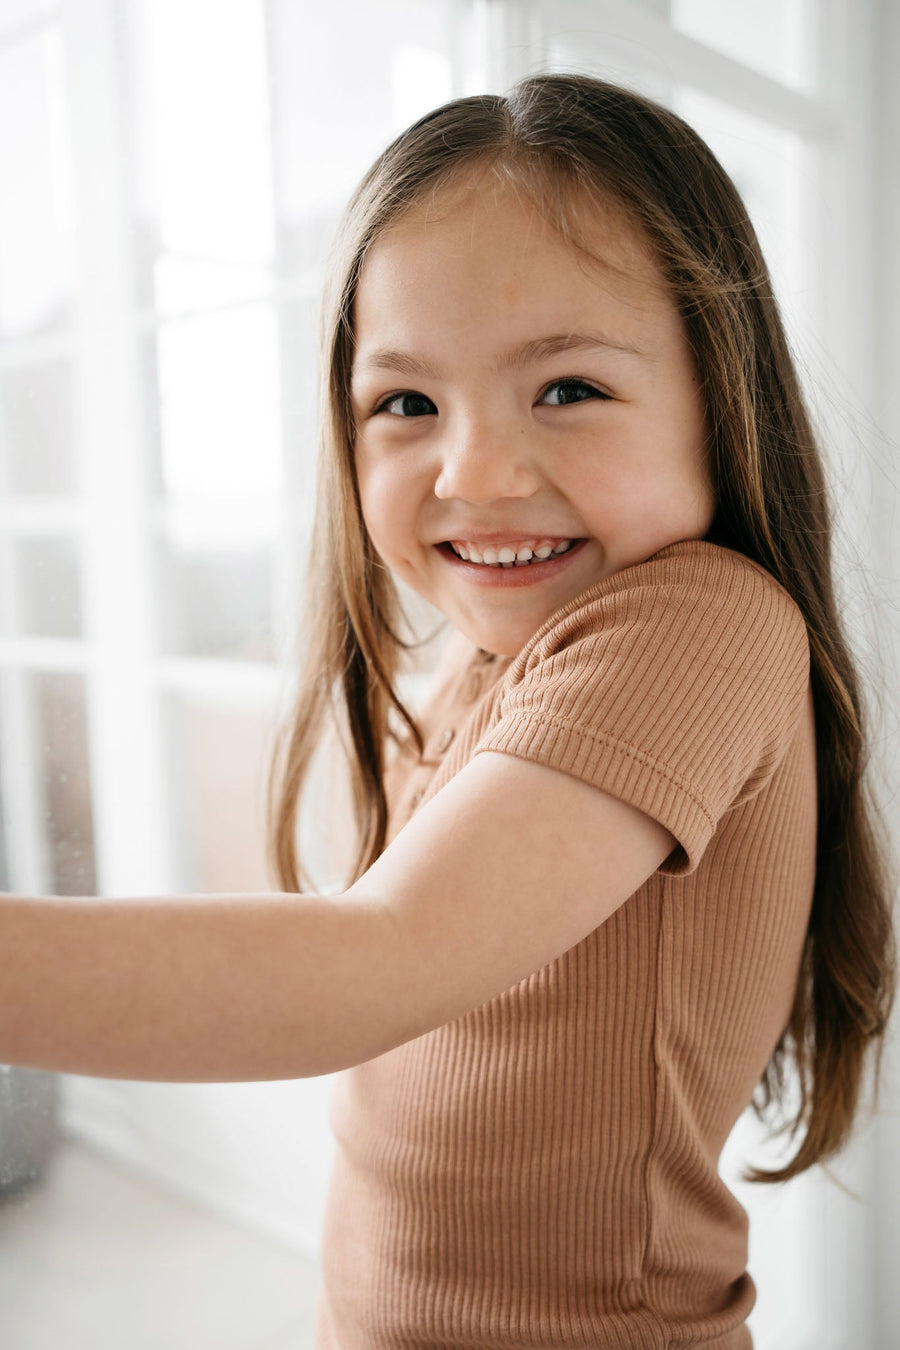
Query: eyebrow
x,y
536,349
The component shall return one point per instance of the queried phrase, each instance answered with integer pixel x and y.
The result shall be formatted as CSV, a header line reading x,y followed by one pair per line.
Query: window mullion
x,y
125,742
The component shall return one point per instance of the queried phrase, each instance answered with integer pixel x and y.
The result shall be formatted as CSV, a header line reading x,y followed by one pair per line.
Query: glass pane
x,y
299,346
37,429
61,744
771,170
194,283
776,37
217,764
217,603
396,68
5,883
219,405
7,589
36,223
201,165
49,587
15,14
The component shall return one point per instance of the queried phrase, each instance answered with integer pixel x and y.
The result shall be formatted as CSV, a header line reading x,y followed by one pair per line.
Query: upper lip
x,y
505,537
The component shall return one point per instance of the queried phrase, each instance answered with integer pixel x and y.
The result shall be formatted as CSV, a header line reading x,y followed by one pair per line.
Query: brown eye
x,y
563,392
407,405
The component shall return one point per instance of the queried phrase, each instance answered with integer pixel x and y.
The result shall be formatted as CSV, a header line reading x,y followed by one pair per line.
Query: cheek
x,y
608,479
387,506
635,486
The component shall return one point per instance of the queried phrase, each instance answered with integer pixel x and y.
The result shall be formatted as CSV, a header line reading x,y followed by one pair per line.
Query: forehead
x,y
482,250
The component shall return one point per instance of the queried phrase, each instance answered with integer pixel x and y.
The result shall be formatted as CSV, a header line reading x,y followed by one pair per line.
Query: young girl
x,y
621,871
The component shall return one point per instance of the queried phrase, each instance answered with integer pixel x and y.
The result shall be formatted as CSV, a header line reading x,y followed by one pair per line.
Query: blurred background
x,y
170,175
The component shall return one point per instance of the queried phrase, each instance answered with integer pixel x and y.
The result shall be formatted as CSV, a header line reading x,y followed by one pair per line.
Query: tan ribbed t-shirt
x,y
543,1171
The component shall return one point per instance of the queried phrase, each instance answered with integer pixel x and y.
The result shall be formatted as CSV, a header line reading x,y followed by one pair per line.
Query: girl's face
x,y
527,422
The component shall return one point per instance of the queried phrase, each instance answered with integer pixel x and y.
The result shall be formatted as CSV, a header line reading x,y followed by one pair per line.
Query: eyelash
x,y
407,393
595,393
574,383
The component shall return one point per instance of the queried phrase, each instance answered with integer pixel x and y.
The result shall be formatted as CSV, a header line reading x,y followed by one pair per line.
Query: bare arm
x,y
507,867
193,989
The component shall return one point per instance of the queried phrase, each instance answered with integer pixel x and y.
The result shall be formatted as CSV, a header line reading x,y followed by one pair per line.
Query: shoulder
x,y
676,685
693,631
693,594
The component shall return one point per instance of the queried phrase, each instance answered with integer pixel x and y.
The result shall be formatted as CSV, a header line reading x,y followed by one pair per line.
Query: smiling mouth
x,y
509,555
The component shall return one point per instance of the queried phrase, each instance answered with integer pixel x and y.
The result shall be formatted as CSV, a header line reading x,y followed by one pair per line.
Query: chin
x,y
501,641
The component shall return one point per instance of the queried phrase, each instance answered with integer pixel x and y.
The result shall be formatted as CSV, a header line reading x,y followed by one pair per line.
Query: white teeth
x,y
506,556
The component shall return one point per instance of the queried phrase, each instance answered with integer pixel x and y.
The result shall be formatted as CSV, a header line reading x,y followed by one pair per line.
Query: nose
x,y
485,461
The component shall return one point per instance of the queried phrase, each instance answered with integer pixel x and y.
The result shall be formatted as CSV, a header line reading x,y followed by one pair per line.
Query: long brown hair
x,y
553,134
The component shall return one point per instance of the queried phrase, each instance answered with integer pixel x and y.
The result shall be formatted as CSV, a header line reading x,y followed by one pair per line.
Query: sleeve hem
x,y
616,767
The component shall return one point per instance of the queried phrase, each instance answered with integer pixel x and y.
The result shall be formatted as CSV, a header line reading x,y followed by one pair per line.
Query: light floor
x,y
92,1258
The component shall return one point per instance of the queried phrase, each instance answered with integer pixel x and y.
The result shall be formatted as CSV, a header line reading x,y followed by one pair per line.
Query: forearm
x,y
199,989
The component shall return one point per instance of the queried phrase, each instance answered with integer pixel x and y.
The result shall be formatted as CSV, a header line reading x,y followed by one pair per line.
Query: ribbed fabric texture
x,y
543,1171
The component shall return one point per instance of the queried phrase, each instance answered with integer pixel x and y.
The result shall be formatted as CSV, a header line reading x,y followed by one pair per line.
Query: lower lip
x,y
532,575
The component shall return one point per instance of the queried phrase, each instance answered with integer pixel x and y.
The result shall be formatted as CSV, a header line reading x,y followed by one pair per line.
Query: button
x,y
444,740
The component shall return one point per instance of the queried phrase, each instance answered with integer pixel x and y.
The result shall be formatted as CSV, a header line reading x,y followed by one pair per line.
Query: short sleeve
x,y
675,685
